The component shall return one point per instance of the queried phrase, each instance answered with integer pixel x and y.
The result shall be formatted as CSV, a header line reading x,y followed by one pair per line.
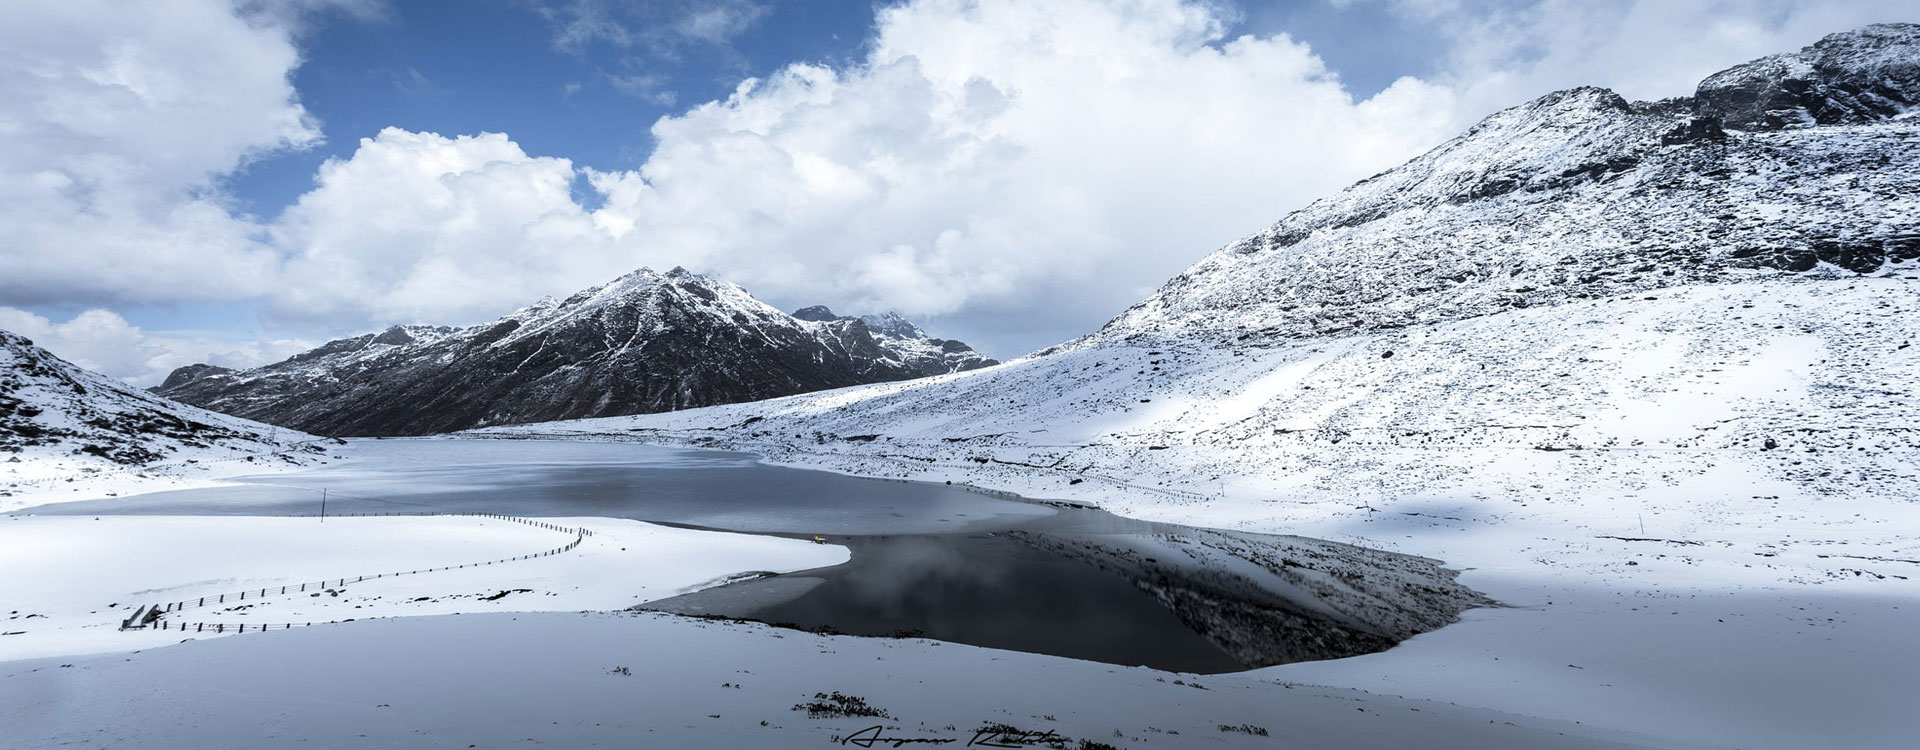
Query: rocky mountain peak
x,y
403,335
884,324
816,313
891,324
190,373
1853,77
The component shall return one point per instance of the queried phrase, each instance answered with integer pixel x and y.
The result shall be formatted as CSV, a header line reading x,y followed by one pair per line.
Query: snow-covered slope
x,y
645,342
1800,383
1580,195
62,425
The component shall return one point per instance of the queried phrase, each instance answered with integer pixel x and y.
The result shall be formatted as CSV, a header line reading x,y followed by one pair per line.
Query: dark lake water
x,y
930,560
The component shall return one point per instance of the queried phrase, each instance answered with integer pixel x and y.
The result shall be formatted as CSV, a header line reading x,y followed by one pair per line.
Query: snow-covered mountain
x,y
1801,163
900,338
1578,297
59,421
646,342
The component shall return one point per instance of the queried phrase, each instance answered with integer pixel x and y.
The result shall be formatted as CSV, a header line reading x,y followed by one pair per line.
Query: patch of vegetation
x,y
837,704
1256,731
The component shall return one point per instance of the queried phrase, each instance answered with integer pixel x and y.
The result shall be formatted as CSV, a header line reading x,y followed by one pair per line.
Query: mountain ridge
x,y
1625,196
646,341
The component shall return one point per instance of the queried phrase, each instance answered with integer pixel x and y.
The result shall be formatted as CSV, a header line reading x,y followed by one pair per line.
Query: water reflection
x,y
984,590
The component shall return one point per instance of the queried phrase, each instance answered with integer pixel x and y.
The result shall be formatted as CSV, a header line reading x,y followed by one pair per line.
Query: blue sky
x,y
493,65
233,181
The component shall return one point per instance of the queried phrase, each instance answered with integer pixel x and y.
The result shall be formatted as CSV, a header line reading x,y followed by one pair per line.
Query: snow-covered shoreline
x,y
97,570
55,479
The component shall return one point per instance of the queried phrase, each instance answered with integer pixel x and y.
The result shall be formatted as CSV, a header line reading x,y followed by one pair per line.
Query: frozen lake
x,y
930,560
715,489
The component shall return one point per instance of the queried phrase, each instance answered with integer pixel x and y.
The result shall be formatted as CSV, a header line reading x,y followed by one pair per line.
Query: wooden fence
x,y
150,617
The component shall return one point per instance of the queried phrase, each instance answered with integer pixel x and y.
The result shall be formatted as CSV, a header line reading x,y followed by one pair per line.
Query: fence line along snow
x,y
149,616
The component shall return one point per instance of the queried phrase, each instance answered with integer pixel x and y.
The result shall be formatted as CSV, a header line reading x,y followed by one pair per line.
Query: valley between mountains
x,y
1642,374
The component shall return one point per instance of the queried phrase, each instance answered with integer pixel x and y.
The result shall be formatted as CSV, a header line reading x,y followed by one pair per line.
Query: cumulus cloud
x,y
118,118
1050,160
102,341
416,227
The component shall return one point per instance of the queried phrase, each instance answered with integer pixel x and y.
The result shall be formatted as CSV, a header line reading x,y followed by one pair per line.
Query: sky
x,y
234,181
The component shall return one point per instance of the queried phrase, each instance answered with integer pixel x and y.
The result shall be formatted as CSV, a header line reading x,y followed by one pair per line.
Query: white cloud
x,y
1507,52
416,227
102,341
1050,159
656,27
719,22
117,120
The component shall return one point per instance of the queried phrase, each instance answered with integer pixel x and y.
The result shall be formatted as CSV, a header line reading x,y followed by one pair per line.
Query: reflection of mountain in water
x,y
1092,586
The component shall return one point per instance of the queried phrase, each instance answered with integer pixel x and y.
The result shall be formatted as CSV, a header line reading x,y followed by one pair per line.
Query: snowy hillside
x,y
1580,195
1645,371
63,427
645,342
1799,383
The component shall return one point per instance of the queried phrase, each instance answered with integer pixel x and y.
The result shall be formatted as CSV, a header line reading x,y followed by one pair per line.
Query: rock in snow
x,y
646,342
